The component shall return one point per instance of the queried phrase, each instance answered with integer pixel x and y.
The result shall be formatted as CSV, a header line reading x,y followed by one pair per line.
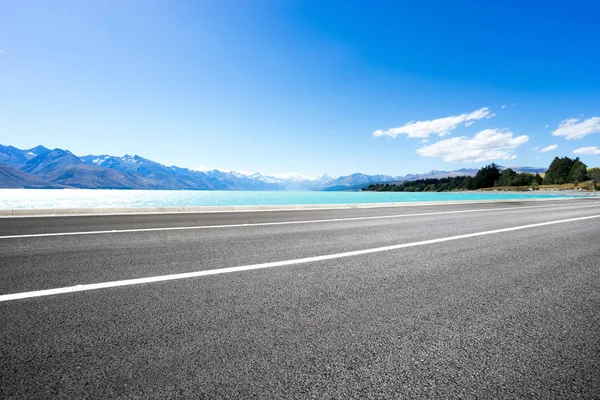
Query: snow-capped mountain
x,y
294,181
41,167
16,157
233,180
61,167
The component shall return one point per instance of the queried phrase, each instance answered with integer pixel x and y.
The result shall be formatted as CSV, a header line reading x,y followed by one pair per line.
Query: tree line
x,y
561,170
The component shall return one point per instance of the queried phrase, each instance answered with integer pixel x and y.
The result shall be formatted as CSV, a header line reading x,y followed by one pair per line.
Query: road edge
x,y
80,212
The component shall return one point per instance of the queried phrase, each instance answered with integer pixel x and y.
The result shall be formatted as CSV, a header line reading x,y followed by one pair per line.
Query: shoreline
x,y
105,211
550,192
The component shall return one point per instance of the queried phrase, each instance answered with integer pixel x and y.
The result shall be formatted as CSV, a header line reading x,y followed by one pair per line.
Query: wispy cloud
x,y
503,106
549,148
547,126
489,144
440,126
574,128
589,151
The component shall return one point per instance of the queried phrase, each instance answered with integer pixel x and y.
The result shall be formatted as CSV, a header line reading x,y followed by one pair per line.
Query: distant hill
x,y
437,174
86,176
12,178
355,181
531,170
49,162
359,181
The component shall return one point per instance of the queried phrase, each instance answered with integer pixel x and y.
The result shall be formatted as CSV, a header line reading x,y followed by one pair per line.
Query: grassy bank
x,y
583,186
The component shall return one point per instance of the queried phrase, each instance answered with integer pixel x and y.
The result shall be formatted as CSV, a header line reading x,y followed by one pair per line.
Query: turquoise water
x,y
66,198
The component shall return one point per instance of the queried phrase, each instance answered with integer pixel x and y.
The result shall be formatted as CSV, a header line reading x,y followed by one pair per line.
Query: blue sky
x,y
304,86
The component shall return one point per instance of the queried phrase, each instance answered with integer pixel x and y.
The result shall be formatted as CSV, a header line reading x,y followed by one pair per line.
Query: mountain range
x,y
40,167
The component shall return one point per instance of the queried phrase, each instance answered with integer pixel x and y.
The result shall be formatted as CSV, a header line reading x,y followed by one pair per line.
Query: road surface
x,y
487,300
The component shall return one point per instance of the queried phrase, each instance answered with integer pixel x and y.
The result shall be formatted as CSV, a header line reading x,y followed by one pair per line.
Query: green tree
x,y
578,171
559,170
594,175
468,184
523,179
487,176
506,177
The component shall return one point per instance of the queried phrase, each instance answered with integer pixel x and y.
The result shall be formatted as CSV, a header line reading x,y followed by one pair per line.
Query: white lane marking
x,y
186,275
316,221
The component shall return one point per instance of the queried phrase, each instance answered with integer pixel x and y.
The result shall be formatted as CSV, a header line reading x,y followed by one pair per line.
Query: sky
x,y
310,87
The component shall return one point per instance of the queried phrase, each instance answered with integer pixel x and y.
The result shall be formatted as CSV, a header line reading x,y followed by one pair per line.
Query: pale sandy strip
x,y
138,281
95,212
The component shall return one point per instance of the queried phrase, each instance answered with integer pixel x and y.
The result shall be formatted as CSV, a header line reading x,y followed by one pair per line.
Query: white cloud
x,y
536,148
549,148
424,141
489,144
590,151
503,106
440,126
572,128
469,123
547,126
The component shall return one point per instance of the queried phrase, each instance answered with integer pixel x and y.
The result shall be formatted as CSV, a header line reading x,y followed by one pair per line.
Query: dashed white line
x,y
162,278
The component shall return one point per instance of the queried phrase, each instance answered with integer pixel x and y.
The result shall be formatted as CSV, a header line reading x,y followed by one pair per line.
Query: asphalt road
x,y
479,301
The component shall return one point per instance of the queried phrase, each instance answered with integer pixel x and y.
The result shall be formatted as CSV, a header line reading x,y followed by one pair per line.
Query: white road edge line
x,y
138,281
182,228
